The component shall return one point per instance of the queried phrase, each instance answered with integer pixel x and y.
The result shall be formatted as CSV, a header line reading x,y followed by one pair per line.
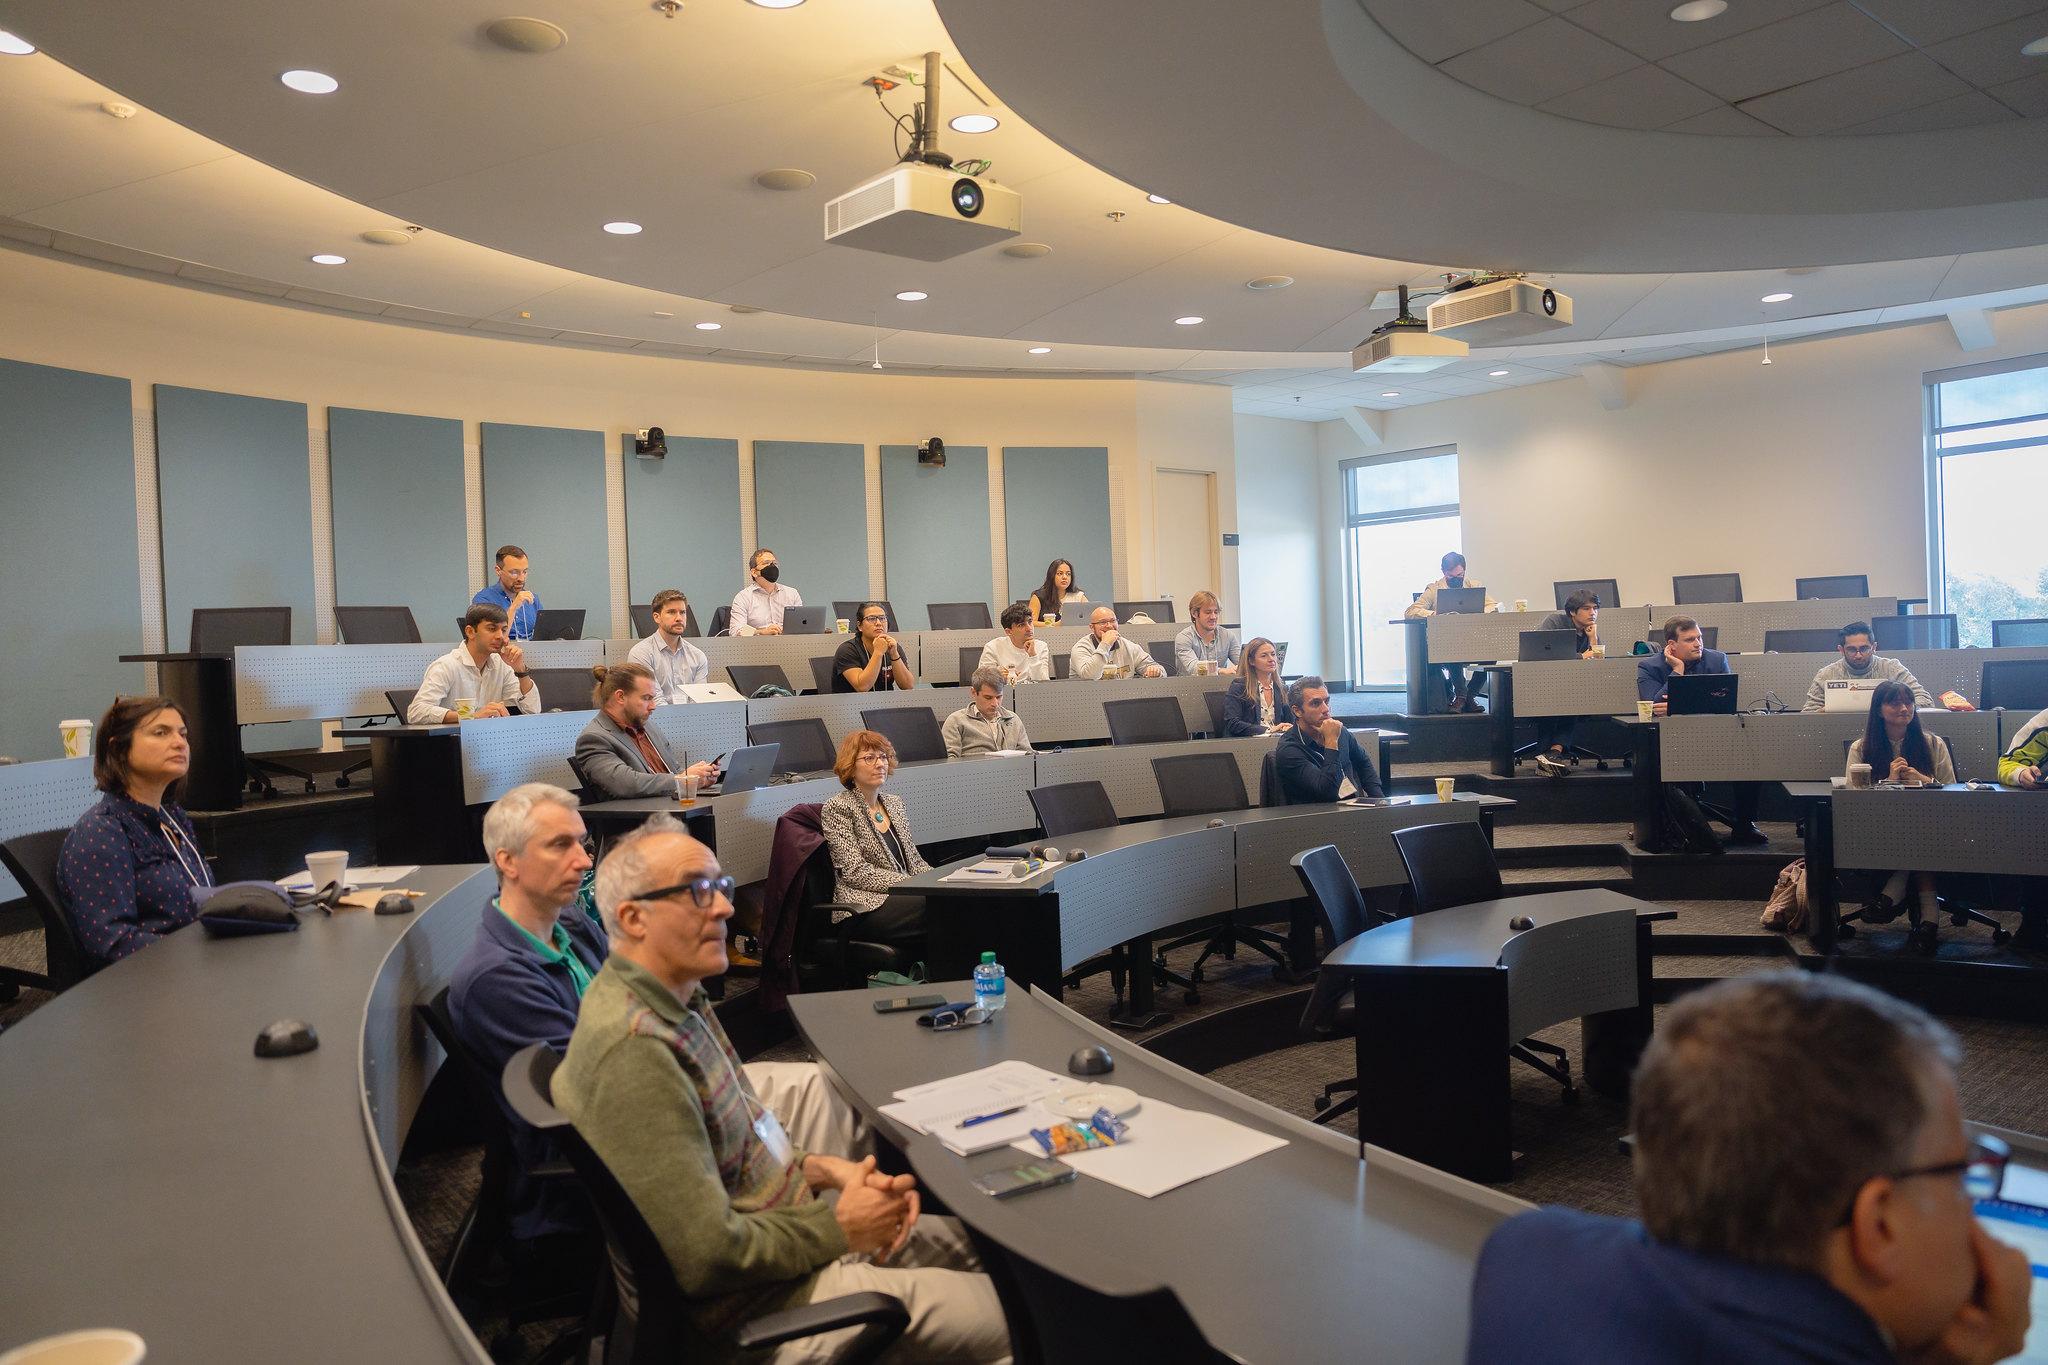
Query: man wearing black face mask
x,y
758,607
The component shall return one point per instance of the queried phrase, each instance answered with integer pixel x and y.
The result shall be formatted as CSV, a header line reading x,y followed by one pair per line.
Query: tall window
x,y
1400,517
1987,450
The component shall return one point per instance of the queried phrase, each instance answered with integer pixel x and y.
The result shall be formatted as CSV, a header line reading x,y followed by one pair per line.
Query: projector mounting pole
x,y
924,138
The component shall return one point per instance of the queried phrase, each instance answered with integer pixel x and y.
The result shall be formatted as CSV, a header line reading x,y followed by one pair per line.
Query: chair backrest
x,y
847,609
749,678
2014,685
643,620
1145,720
217,630
32,860
821,673
2028,631
1608,590
1333,891
1069,807
1271,792
1159,609
1062,665
721,619
1162,654
376,625
1710,637
1052,1317
1706,587
1215,702
1801,641
1832,585
1448,864
959,616
970,659
1933,631
400,700
1199,784
564,689
914,730
806,744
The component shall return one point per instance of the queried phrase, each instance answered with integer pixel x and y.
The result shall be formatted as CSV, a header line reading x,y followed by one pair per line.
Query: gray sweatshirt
x,y
1881,670
967,734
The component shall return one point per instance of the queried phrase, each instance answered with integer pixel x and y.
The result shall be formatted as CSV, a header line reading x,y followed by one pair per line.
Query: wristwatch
x,y
521,675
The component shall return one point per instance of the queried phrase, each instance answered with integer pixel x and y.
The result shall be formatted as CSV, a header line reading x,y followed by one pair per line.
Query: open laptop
x,y
710,691
745,769
1460,601
558,623
1538,645
803,621
1847,694
1702,694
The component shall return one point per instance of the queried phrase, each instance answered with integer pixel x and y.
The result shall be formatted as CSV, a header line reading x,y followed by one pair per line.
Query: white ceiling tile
x,y
113,253
1924,22
1649,31
1726,121
1890,86
1963,111
1539,63
1436,29
1991,56
2028,96
1647,97
1804,47
229,279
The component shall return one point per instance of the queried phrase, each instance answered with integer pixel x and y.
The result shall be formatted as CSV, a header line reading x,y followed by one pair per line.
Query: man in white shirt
x,y
486,669
1017,653
759,606
1103,653
673,661
987,726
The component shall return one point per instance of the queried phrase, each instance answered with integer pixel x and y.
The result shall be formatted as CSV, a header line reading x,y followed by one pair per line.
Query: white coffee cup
x,y
1201,668
463,707
1599,651
77,737
94,1346
1521,604
842,625
328,869
1445,787
1646,710
1859,775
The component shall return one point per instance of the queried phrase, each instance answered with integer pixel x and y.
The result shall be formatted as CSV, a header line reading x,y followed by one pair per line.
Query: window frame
x,y
1932,430
1354,644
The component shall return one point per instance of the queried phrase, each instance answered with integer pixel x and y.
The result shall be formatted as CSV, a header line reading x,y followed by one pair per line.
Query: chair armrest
x,y
881,1317
552,1170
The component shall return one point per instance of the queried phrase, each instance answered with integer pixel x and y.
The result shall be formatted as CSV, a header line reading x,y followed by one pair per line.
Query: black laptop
x,y
558,623
745,769
1539,645
1460,601
1702,694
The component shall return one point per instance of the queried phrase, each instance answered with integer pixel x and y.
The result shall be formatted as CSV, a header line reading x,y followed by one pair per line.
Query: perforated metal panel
x,y
1575,967
1362,835
500,753
1742,624
968,798
1951,829
326,682
1067,712
701,731
938,651
1139,890
1576,687
1959,670
39,796
841,711
791,653
1125,771
746,823
1810,747
1480,637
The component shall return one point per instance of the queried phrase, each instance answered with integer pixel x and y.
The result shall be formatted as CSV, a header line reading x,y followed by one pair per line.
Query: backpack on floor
x,y
1686,829
1786,910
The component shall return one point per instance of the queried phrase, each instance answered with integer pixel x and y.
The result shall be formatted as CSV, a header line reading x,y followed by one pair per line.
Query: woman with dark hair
x,y
872,848
1898,750
128,867
1058,589
870,660
1256,703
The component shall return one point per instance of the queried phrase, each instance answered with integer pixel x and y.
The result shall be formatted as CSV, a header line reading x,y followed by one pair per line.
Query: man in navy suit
x,y
1686,652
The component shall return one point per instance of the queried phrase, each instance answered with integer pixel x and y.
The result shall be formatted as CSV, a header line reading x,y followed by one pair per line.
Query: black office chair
x,y
643,620
400,700
1215,701
1062,665
1690,589
31,859
958,616
1159,609
1052,1317
850,609
651,1321
828,954
1271,793
376,625
914,730
1452,864
1936,630
1608,590
1710,637
1145,720
565,689
970,659
1833,585
1802,641
806,744
2013,685
2031,630
218,630
1163,655
1070,807
821,674
721,620
751,678
1343,914
1203,784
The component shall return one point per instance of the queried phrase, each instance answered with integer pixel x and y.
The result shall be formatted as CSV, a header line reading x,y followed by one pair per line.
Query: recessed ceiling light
x,y
912,296
329,258
1041,350
622,229
1270,282
1027,251
311,82
1692,11
2037,48
1779,297
778,4
785,178
531,36
1188,321
388,236
13,46
1158,199
1391,393
973,123
1495,374
709,326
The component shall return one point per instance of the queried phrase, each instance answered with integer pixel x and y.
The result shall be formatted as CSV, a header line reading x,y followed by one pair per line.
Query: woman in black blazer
x,y
1256,703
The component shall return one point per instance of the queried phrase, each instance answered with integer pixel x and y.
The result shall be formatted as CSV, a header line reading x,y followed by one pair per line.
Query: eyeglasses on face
x,y
705,891
1982,1170
873,756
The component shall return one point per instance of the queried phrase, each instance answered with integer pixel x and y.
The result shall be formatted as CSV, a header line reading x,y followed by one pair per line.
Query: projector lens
x,y
966,197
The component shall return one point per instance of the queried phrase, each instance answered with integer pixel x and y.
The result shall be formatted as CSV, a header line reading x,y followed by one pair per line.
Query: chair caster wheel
x,y
1845,931
1196,976
1925,938
1322,1103
1571,1096
310,788
10,991
1191,997
2000,937
341,783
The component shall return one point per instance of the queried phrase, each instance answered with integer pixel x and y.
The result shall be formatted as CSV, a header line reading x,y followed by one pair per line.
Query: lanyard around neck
x,y
175,837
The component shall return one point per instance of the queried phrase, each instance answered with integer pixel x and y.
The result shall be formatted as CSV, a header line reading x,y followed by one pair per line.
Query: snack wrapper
x,y
1103,1129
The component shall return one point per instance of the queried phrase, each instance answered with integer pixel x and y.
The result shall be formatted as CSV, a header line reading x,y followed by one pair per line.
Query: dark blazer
x,y
1653,674
1310,774
1241,709
611,764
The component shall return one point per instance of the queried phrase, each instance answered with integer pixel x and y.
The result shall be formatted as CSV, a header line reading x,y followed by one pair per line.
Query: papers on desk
x,y
1167,1147
939,1107
997,871
302,880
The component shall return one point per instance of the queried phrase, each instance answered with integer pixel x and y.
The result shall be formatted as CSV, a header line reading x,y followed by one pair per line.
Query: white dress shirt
x,y
1034,665
455,674
752,607
672,668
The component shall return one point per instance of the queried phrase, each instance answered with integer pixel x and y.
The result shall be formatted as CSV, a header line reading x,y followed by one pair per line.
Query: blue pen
x,y
985,1118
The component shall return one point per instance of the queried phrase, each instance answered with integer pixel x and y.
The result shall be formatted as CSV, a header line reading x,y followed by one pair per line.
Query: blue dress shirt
x,y
121,879
522,620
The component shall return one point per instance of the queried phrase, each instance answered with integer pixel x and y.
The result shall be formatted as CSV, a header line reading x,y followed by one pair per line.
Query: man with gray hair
x,y
986,726
533,956
727,1162
1805,1186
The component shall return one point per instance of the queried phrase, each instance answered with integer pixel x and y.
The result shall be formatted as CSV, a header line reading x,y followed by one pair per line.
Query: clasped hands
x,y
875,1211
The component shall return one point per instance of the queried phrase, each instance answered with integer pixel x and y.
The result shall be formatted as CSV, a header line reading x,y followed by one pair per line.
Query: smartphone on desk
x,y
1033,1175
897,1004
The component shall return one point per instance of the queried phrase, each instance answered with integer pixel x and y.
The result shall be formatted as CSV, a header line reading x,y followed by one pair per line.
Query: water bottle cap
x,y
988,957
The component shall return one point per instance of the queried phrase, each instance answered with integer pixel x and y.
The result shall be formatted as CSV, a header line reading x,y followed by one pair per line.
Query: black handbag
x,y
238,908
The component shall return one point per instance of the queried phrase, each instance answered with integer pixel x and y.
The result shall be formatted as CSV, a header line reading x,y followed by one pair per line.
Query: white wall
x,y
1280,554
1813,465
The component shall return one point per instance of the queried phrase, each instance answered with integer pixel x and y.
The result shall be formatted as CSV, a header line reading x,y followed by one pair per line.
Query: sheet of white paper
x,y
1167,1148
937,1107
357,876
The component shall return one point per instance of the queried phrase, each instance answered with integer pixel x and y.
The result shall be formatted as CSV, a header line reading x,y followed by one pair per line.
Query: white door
x,y
1186,555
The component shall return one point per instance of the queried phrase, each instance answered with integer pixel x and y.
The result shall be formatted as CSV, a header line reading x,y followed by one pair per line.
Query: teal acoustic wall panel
x,y
544,492
1056,506
935,533
810,507
683,523
237,507
400,526
67,551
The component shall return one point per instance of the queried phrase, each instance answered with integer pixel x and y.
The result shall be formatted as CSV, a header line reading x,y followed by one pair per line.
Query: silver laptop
x,y
710,691
1847,694
803,621
745,769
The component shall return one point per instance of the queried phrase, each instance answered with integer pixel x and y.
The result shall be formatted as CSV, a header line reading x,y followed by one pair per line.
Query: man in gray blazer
x,y
616,755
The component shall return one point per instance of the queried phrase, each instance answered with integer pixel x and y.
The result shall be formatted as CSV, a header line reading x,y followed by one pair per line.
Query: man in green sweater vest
x,y
722,1171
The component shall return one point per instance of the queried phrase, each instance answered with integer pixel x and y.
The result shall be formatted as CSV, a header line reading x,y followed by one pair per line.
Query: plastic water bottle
x,y
989,980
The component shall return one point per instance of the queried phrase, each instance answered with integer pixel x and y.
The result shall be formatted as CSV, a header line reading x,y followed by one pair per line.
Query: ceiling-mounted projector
x,y
928,213
1499,310
1405,346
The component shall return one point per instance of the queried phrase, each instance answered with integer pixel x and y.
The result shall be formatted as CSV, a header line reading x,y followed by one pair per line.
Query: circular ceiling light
x,y
778,4
912,296
311,82
2037,48
1041,350
1693,11
1270,282
387,237
785,178
1189,321
13,46
1495,374
1779,297
1391,393
622,229
973,123
709,326
1158,199
328,258
532,36
1027,251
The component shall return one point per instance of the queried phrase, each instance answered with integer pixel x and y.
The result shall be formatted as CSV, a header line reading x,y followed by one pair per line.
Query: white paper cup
x,y
842,625
1646,710
1521,604
327,869
1859,774
94,1346
1599,651
77,737
463,707
1201,668
1445,787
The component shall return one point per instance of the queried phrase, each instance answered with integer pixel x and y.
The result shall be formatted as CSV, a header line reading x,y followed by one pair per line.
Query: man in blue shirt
x,y
1318,758
1685,652
1806,1191
510,593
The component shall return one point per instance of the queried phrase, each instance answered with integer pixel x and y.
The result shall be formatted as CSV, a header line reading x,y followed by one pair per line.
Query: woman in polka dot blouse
x,y
129,865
